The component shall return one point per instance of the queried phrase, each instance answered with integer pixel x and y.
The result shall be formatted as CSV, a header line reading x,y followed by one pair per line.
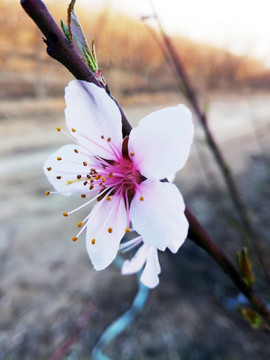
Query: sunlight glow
x,y
240,26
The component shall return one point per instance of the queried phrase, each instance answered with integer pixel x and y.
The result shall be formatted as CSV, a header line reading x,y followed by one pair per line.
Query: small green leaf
x,y
65,30
78,40
245,267
251,316
77,36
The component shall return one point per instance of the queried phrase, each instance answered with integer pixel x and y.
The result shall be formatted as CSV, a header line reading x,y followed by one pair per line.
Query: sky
x,y
241,26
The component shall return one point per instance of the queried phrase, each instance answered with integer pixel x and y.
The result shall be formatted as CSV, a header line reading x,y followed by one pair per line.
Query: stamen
x,y
59,158
93,241
87,202
74,238
127,230
76,151
58,177
73,130
84,163
110,230
132,153
47,192
141,198
65,214
83,196
58,128
93,142
79,224
128,245
49,168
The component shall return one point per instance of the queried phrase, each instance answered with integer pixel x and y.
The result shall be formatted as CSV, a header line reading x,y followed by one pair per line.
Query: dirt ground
x,y
47,281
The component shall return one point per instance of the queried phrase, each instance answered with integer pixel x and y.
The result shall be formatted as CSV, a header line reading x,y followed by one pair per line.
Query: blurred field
x,y
47,280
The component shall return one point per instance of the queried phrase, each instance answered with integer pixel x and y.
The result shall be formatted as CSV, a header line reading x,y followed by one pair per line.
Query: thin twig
x,y
44,21
190,94
82,322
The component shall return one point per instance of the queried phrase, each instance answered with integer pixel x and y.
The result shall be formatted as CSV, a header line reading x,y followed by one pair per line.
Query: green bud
x,y
79,41
251,317
245,267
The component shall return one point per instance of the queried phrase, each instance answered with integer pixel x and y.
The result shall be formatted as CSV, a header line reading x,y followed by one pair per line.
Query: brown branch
x,y
58,47
64,53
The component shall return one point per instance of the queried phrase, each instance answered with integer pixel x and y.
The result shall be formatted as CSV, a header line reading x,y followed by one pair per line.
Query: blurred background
x,y
47,281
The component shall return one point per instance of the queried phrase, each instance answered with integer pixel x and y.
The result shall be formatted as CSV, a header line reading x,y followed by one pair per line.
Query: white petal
x,y
92,113
105,215
161,142
136,263
70,165
159,218
152,269
145,255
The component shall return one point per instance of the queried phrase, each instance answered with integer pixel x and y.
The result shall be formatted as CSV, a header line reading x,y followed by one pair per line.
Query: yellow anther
x,y
58,128
110,174
85,183
98,177
132,153
92,180
79,224
47,192
74,238
103,180
83,196
91,187
59,158
93,241
58,177
102,137
141,198
109,198
85,163
110,230
79,176
109,139
127,230
49,168
65,214
73,130
76,151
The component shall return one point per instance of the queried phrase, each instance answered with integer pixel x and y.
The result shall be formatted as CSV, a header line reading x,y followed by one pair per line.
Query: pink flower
x,y
122,176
